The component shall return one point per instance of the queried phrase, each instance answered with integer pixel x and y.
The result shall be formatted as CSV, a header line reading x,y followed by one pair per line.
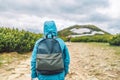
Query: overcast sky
x,y
31,14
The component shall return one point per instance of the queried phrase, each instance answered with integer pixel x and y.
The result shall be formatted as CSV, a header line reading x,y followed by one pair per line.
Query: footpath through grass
x,y
6,58
89,61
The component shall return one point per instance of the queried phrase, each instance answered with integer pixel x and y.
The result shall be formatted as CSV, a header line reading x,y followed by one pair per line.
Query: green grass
x,y
106,46
7,58
116,48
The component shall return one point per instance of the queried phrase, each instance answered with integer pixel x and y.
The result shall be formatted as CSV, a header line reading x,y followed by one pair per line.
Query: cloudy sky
x,y
31,14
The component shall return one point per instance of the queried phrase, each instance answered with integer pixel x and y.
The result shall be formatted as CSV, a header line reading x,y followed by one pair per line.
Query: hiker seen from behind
x,y
50,57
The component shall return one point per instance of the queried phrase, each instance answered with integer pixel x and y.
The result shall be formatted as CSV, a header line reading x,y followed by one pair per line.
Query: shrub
x,y
115,40
15,40
95,38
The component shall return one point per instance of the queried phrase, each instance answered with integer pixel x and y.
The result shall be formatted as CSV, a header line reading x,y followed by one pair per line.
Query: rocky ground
x,y
87,63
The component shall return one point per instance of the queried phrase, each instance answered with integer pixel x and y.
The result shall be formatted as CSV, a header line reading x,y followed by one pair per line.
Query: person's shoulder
x,y
39,40
60,40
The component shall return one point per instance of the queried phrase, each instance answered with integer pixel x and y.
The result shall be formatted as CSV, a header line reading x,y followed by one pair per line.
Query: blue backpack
x,y
49,58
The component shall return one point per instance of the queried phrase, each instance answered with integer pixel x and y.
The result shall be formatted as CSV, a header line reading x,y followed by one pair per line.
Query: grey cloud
x,y
115,24
41,7
82,5
79,11
97,17
50,8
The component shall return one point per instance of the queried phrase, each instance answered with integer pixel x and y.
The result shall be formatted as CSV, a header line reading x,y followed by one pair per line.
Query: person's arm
x,y
66,59
33,62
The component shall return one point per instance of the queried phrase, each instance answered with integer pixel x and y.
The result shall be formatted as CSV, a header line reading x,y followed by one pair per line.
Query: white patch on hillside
x,y
82,31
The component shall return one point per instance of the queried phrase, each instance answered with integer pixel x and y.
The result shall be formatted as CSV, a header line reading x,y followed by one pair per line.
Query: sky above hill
x,y
31,14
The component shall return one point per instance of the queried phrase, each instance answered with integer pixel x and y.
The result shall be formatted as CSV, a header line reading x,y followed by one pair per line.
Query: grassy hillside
x,y
67,32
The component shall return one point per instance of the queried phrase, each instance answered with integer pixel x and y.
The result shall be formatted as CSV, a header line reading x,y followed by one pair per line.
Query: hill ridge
x,y
76,29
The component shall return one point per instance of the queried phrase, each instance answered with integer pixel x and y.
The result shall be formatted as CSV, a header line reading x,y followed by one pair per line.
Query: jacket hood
x,y
50,28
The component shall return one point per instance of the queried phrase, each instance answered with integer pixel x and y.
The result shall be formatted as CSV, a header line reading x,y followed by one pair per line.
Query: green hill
x,y
84,33
67,31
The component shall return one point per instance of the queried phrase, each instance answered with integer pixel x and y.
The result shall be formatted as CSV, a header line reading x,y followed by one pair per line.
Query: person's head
x,y
50,29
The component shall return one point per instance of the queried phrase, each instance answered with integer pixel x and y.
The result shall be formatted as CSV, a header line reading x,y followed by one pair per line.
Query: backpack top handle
x,y
51,35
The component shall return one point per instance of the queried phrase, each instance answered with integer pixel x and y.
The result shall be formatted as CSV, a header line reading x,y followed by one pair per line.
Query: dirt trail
x,y
93,63
20,70
87,63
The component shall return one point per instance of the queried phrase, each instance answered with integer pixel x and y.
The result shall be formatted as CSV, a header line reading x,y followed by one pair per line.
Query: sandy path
x,y
93,63
20,70
87,63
